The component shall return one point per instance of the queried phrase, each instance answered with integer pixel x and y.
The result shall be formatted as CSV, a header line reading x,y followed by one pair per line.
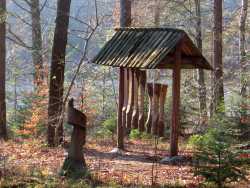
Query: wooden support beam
x,y
125,99
161,125
141,98
150,110
176,104
155,108
120,134
135,114
129,110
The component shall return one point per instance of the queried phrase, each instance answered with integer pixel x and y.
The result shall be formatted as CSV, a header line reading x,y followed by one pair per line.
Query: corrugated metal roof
x,y
149,48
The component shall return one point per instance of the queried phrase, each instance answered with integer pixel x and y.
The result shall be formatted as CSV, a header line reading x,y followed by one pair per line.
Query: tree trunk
x,y
55,122
37,55
243,60
3,128
201,74
218,87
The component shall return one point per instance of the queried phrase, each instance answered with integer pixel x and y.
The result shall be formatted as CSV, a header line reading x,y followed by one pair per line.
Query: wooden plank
x,y
161,124
120,143
125,100
141,100
176,104
135,115
150,110
155,107
129,110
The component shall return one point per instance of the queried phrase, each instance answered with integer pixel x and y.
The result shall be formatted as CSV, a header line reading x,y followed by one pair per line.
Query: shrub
x,y
216,157
107,130
110,125
135,134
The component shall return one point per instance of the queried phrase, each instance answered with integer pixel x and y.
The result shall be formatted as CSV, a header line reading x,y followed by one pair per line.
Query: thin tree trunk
x,y
37,44
55,131
218,87
201,74
243,60
3,128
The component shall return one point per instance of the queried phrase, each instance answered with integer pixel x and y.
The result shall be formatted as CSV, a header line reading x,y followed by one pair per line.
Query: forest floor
x,y
27,162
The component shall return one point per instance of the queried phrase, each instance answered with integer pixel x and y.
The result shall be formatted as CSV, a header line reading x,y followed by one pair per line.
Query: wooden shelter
x,y
137,49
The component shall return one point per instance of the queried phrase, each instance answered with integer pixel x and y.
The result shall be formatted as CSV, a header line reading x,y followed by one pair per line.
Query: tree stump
x,y
74,165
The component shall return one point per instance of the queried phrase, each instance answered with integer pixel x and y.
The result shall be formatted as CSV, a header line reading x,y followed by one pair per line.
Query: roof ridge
x,y
148,28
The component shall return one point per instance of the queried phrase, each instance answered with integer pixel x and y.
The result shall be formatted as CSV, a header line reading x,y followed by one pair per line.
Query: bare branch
x,y
21,7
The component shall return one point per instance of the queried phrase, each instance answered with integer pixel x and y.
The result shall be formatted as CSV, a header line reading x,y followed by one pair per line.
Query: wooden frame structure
x,y
137,49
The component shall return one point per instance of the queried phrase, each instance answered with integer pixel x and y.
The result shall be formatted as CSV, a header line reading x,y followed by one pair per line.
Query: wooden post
x,y
176,104
129,110
125,101
155,107
161,124
135,114
142,87
74,165
120,143
150,110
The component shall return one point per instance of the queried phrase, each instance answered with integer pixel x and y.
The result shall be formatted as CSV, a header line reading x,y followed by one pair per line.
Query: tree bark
x,y
243,60
37,54
3,126
201,75
218,87
55,109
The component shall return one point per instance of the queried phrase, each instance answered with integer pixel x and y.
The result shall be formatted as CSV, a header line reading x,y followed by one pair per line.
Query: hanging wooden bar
x,y
141,98
155,107
176,104
125,100
150,110
161,125
135,114
129,110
